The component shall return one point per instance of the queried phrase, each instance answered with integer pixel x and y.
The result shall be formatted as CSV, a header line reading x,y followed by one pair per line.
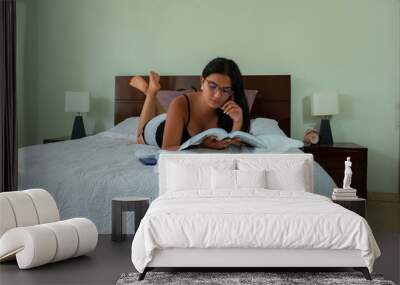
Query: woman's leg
x,y
151,106
139,83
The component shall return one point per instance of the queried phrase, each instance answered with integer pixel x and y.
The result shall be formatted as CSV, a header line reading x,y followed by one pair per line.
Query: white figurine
x,y
347,174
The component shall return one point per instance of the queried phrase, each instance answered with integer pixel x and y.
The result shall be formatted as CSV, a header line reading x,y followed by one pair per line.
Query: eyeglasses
x,y
213,87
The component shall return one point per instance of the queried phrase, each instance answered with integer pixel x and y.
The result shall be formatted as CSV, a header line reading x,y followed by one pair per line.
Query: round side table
x,y
121,205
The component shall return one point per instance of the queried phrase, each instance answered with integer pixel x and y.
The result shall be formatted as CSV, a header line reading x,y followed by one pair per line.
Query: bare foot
x,y
154,82
139,83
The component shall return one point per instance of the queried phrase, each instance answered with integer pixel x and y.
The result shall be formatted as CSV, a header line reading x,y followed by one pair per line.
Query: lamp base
x,y
78,130
325,133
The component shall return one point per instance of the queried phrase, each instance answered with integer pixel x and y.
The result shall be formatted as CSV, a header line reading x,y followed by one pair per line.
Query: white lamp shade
x,y
77,102
324,104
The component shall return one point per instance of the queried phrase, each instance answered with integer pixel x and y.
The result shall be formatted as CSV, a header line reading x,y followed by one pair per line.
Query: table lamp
x,y
325,104
77,102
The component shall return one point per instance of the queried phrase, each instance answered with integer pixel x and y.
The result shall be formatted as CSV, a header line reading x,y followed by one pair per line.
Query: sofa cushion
x,y
40,244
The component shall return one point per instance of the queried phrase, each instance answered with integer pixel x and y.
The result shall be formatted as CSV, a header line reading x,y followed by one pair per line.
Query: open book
x,y
221,134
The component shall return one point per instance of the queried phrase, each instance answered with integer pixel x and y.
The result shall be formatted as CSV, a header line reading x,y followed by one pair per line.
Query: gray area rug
x,y
226,278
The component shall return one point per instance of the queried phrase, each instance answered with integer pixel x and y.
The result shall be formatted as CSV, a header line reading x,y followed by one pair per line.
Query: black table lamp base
x,y
78,130
325,133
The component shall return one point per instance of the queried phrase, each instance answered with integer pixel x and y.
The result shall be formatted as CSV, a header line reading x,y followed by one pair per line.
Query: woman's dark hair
x,y
229,68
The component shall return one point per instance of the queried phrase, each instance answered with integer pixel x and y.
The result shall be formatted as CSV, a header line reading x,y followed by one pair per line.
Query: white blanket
x,y
251,219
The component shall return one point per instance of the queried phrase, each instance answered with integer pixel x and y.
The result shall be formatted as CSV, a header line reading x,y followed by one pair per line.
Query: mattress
x,y
84,175
254,218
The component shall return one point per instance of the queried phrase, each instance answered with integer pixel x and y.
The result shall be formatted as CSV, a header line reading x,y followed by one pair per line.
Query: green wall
x,y
349,46
27,109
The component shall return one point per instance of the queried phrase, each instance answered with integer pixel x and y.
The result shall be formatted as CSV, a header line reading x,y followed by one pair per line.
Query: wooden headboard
x,y
272,100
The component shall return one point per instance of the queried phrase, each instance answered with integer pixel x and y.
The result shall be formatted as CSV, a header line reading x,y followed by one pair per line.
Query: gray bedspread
x,y
84,175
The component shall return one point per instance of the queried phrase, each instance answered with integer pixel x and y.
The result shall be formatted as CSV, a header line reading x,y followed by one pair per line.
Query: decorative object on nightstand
x,y
119,208
331,158
348,173
345,193
357,205
77,102
311,136
325,104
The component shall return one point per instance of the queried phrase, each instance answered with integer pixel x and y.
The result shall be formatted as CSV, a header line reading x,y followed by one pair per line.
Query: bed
x,y
247,210
83,175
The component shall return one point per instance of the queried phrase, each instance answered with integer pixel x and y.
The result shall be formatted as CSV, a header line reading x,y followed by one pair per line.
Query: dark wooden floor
x,y
384,216
110,260
384,219
102,266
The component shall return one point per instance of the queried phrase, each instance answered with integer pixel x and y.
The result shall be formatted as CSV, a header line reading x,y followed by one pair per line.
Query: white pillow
x,y
189,176
283,174
125,129
261,126
292,179
225,179
183,178
251,178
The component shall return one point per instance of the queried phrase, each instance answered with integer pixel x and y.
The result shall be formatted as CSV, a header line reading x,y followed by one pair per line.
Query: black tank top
x,y
185,133
224,121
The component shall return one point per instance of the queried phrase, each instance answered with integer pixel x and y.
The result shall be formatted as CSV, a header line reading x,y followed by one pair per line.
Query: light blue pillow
x,y
279,143
265,126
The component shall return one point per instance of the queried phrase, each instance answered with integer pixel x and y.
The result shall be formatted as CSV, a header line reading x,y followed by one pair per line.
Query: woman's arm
x,y
234,111
237,126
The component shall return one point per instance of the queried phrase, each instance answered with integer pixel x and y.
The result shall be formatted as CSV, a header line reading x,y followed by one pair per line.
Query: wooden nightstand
x,y
59,139
332,157
357,205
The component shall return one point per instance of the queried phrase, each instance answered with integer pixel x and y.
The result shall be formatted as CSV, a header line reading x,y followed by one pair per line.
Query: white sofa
x,y
31,231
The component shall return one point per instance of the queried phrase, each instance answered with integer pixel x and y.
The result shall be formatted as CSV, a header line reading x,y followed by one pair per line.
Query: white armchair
x,y
31,230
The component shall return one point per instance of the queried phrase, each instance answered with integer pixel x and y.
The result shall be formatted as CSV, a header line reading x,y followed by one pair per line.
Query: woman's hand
x,y
233,110
211,142
236,142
